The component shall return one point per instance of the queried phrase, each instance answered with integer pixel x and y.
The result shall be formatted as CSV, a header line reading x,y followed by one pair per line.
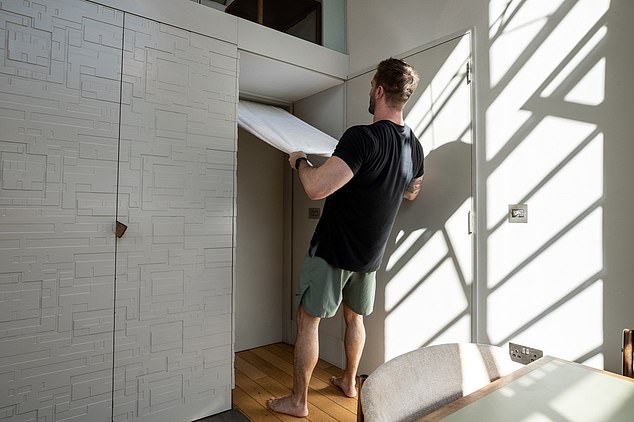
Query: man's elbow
x,y
412,190
410,196
315,194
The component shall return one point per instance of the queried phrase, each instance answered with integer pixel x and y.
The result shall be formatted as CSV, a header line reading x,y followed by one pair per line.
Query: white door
x,y
173,339
59,121
424,285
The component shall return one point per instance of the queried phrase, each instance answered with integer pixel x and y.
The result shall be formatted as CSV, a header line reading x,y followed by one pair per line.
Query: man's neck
x,y
391,114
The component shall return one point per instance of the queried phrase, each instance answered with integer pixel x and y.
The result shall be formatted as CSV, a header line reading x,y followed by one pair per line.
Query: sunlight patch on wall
x,y
541,151
574,187
515,25
457,331
428,309
442,113
459,244
529,297
507,113
595,361
571,330
417,268
591,89
404,247
503,118
574,63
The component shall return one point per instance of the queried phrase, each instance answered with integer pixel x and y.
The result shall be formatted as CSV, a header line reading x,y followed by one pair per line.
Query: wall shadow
x,y
447,185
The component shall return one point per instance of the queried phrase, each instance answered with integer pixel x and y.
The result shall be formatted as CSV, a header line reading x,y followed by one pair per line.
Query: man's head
x,y
398,81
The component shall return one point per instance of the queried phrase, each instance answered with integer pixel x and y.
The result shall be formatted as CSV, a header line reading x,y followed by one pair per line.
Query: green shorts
x,y
322,287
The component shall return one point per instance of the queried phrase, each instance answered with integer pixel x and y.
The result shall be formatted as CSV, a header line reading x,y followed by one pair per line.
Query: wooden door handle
x,y
121,228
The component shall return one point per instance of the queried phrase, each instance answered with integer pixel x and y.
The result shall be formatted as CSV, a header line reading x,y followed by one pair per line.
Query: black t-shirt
x,y
357,219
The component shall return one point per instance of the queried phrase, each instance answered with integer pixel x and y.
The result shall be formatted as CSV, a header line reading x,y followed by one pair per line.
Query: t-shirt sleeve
x,y
421,170
421,154
350,148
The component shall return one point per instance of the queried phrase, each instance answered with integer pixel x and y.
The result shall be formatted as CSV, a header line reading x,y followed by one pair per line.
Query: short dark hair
x,y
398,79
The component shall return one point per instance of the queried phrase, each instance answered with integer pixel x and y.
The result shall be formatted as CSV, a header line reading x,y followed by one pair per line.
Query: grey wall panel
x,y
260,247
173,358
59,106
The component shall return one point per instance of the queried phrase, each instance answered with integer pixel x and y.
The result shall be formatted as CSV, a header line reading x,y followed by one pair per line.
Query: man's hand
x,y
293,156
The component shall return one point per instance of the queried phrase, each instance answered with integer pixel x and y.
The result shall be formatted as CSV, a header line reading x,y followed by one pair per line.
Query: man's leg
x,y
305,359
353,343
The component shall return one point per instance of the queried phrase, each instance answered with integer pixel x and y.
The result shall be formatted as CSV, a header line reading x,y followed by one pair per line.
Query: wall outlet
x,y
523,354
518,213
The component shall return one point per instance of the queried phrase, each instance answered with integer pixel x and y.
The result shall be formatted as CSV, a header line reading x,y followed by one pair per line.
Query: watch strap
x,y
299,160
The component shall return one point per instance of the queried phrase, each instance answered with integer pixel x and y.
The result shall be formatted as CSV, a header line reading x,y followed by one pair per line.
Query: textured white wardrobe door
x,y
173,359
59,106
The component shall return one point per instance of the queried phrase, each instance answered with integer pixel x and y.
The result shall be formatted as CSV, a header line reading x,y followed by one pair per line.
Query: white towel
x,y
282,130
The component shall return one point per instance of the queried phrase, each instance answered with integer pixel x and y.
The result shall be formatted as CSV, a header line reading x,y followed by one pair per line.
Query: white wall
x,y
259,287
324,110
553,88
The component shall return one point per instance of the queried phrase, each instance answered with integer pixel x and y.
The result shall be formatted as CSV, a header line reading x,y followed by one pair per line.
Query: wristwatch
x,y
299,160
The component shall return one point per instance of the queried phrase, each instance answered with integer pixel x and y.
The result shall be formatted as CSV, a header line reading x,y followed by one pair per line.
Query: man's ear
x,y
379,92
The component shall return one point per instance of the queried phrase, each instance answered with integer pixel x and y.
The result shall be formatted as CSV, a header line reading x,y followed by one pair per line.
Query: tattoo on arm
x,y
415,185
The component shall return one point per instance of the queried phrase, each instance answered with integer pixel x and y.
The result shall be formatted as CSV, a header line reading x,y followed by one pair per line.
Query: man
x,y
372,168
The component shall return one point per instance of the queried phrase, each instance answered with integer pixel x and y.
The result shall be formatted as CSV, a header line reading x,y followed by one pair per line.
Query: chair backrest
x,y
416,383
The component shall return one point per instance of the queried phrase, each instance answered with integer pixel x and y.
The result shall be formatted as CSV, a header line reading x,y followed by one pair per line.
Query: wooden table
x,y
549,389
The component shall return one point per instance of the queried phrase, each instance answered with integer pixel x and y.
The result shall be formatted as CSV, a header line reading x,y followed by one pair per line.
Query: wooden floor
x,y
266,372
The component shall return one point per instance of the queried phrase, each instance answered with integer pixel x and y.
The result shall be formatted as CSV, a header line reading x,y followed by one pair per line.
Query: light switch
x,y
518,213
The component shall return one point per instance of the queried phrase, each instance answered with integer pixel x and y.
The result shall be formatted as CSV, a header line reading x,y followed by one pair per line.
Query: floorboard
x,y
267,371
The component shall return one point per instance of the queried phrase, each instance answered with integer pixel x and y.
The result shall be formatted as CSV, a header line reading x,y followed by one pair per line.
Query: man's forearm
x,y
319,182
309,178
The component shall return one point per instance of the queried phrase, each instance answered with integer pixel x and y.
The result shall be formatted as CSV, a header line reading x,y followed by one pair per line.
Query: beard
x,y
371,106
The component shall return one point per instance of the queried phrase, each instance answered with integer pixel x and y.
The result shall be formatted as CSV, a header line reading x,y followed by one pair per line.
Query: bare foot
x,y
348,390
285,405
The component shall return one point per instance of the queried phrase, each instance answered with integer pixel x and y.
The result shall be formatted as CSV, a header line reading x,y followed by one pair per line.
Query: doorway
x,y
260,244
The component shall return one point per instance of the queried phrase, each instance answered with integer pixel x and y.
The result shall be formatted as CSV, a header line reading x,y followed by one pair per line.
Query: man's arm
x,y
320,182
413,189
